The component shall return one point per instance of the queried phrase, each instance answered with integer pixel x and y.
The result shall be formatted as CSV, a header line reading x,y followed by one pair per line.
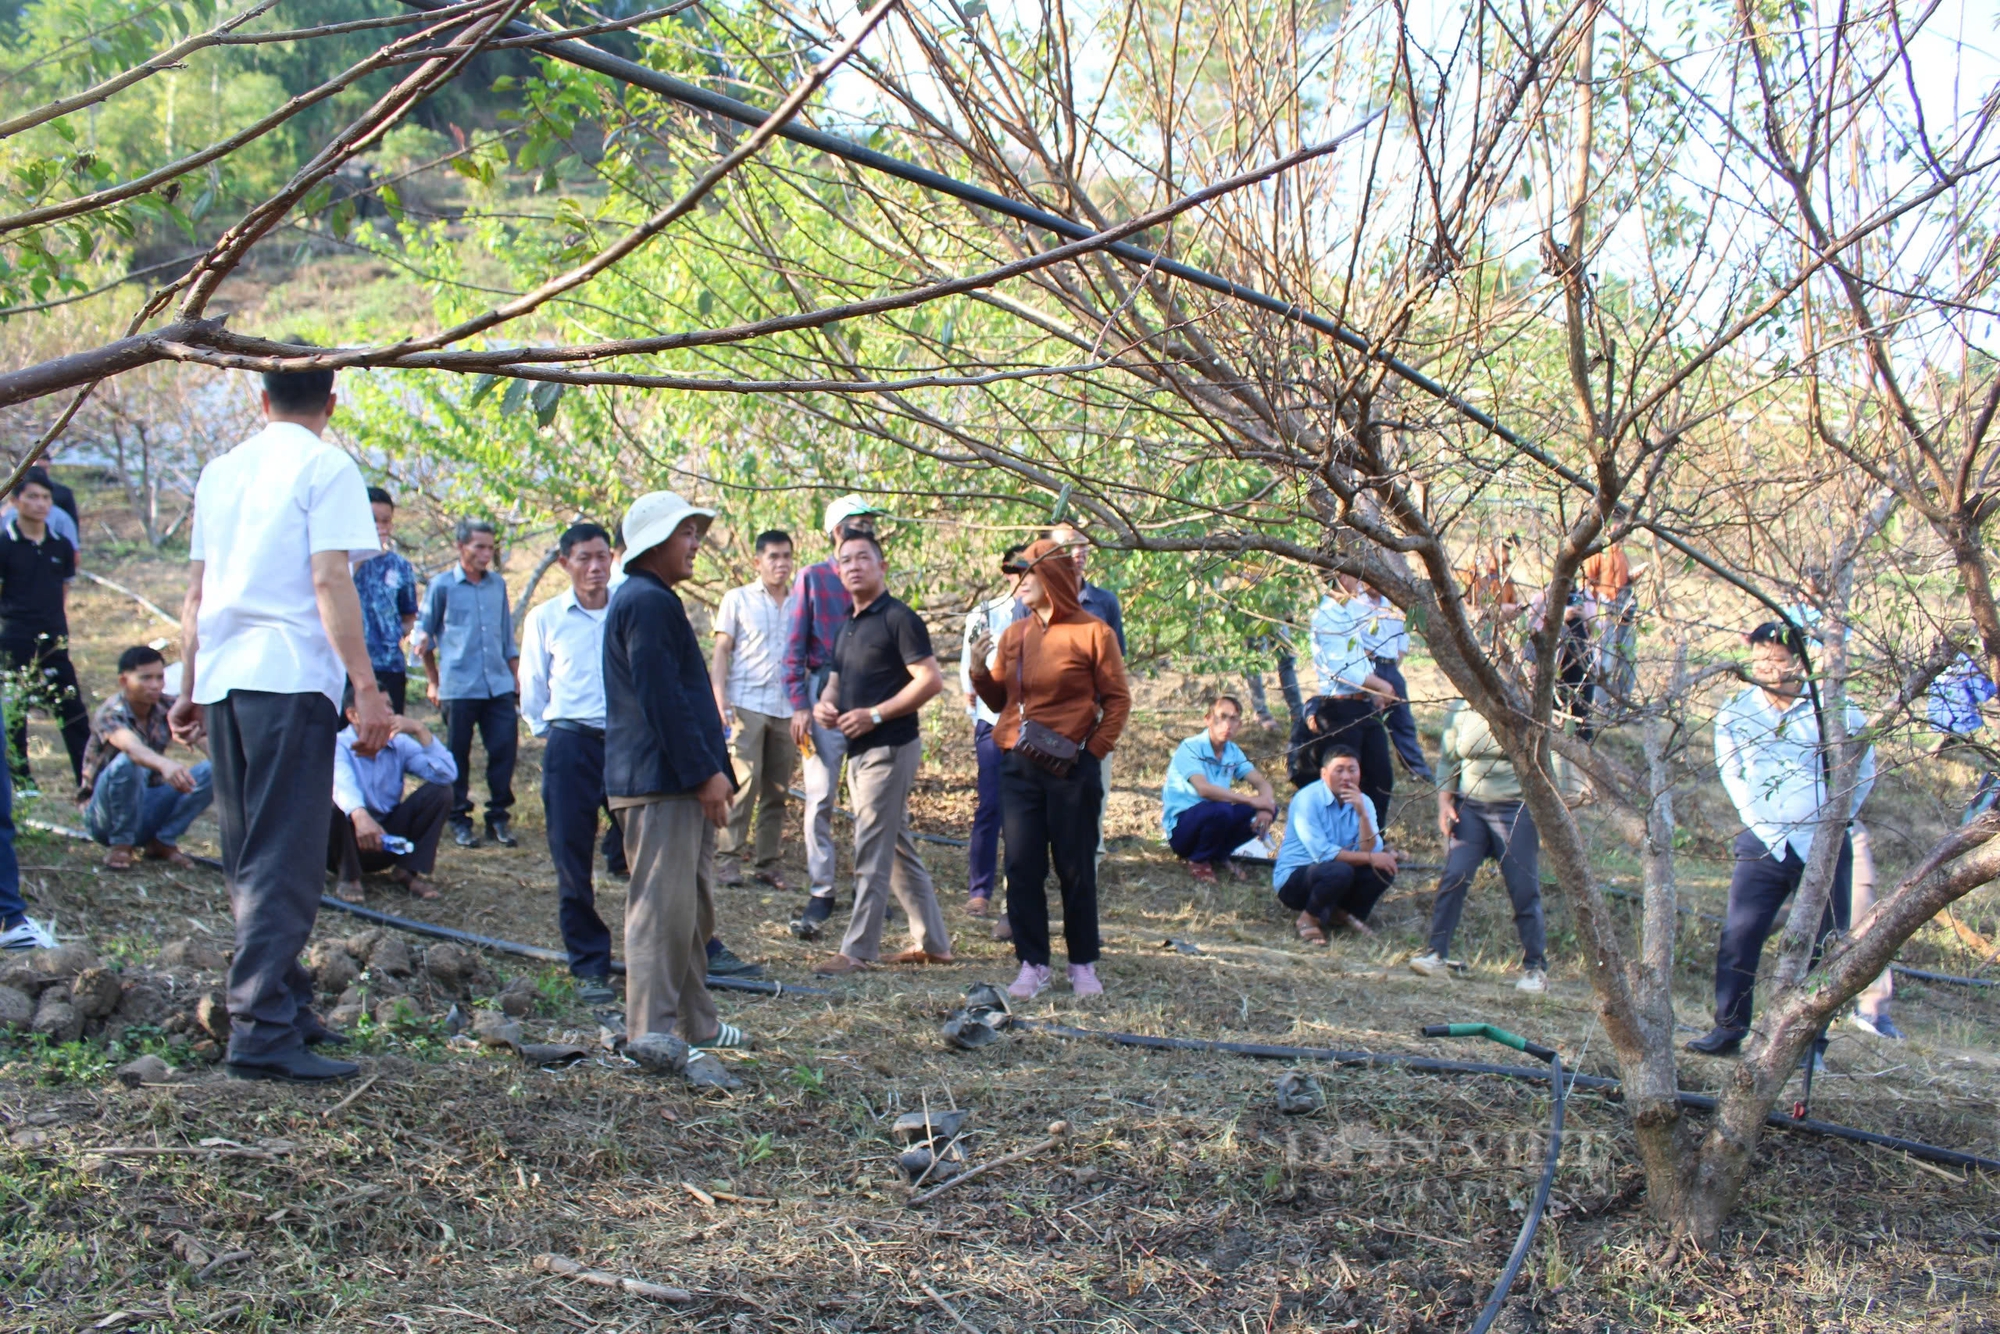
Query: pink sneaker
x,y
1034,976
1083,980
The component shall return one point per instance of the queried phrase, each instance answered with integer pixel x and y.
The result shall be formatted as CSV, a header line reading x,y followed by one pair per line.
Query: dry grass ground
x,y
1183,1201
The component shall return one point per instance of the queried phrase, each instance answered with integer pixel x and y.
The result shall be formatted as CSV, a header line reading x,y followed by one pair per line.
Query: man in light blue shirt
x,y
372,817
1775,769
1333,866
1205,818
474,677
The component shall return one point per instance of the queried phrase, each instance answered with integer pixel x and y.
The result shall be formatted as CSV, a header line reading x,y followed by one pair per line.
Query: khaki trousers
x,y
765,759
879,780
669,916
1874,997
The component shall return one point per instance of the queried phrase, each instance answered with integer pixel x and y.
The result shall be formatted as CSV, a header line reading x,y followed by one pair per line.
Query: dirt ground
x,y
1181,1199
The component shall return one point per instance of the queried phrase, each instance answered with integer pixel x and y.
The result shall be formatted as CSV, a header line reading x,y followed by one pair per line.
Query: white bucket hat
x,y
840,511
654,517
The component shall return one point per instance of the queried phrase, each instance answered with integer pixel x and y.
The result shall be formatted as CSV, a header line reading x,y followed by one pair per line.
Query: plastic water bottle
x,y
397,846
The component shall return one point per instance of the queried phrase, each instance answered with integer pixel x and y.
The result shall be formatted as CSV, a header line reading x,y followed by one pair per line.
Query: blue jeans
x,y
12,908
127,812
982,852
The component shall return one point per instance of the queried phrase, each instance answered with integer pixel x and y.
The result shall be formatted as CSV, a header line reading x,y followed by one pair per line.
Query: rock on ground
x,y
96,992
17,1009
56,1019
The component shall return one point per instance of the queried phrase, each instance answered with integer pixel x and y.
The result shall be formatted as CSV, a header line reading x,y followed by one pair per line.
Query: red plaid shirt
x,y
819,605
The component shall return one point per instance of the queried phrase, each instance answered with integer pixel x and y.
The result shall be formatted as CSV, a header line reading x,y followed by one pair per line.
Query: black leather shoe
x,y
294,1067
497,831
462,835
1718,1041
595,992
318,1034
807,924
726,963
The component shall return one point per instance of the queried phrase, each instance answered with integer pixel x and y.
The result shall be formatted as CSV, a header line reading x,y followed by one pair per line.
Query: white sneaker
x,y
1535,980
1428,964
29,935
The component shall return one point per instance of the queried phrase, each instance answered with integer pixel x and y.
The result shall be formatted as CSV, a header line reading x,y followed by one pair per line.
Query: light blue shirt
x,y
1771,766
988,618
471,629
1387,631
376,781
1342,645
1318,825
1196,758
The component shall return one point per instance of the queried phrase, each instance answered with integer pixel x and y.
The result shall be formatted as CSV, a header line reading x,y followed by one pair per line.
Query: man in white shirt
x,y
747,673
1775,769
270,621
1348,709
982,851
562,697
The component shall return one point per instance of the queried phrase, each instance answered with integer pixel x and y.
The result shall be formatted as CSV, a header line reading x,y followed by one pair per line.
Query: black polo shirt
x,y
31,583
872,653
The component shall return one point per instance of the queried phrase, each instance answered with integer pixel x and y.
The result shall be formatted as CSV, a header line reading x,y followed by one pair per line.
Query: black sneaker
x,y
294,1067
818,909
497,831
462,835
724,962
1719,1041
596,992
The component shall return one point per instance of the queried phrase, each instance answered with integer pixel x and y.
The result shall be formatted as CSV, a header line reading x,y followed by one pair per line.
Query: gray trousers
x,y
885,857
1505,832
822,793
669,916
273,771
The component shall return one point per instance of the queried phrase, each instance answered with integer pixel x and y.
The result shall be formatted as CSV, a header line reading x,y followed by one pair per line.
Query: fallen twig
x,y
698,1193
564,1267
345,1102
945,1306
178,1151
1058,1132
226,1258
120,588
729,1197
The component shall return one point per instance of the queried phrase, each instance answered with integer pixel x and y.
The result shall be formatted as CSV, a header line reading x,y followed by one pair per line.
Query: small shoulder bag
x,y
1043,747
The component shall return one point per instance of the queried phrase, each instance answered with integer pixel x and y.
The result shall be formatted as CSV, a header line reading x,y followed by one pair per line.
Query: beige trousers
x,y
669,916
1875,996
765,758
879,780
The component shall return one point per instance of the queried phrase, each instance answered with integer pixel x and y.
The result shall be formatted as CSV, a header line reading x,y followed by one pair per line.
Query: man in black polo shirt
x,y
883,672
34,627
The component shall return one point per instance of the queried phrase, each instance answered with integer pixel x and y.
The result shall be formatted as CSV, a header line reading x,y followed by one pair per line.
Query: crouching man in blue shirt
x,y
1332,866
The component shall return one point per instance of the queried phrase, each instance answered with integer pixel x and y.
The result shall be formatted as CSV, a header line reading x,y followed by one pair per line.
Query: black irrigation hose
x,y
1698,1101
1519,1255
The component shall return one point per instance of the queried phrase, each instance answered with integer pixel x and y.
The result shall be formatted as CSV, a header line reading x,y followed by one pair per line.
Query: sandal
x,y
1341,917
772,877
121,858
419,887
1309,929
168,853
728,1037
979,905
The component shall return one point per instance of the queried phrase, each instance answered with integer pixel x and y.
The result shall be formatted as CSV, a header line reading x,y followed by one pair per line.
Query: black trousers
x,y
54,688
499,722
1325,886
418,817
572,796
273,771
1505,832
1048,819
396,685
1758,888
1351,722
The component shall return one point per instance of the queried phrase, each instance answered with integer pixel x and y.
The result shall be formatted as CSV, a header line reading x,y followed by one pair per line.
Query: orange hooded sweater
x,y
1070,669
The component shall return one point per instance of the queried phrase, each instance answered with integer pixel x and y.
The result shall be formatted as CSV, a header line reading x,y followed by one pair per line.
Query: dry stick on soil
x,y
226,1258
945,1306
1058,1132
176,1151
345,1102
564,1267
120,588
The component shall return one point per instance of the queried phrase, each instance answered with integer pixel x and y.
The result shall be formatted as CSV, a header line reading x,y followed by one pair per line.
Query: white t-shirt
x,y
261,512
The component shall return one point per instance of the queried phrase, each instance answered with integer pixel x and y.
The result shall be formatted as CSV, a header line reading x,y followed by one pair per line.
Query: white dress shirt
x,y
988,618
1772,767
261,513
562,664
1388,630
1342,644
755,622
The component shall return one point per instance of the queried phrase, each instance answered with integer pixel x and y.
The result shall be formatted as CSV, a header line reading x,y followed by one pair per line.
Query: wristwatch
x,y
875,716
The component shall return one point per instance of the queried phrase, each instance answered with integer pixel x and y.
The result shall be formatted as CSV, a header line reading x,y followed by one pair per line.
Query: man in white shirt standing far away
x,y
1776,771
271,619
562,697
747,671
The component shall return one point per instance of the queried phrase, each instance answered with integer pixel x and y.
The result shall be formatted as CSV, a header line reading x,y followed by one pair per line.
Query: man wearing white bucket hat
x,y
667,770
820,604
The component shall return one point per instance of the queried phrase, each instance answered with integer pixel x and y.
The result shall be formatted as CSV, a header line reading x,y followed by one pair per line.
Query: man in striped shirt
x,y
756,714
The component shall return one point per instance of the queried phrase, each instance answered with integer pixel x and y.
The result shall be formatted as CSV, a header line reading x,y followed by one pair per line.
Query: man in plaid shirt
x,y
819,606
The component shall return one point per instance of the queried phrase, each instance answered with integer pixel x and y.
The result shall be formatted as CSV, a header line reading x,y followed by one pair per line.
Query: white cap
x,y
653,519
840,511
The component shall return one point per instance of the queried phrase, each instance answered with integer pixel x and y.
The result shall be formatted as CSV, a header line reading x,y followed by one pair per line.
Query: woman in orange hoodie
x,y
1058,685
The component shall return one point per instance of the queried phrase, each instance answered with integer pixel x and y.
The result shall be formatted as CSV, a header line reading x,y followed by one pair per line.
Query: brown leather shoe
x,y
919,956
840,966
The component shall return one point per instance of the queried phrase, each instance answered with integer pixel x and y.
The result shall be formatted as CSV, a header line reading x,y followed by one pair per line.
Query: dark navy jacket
x,y
661,730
